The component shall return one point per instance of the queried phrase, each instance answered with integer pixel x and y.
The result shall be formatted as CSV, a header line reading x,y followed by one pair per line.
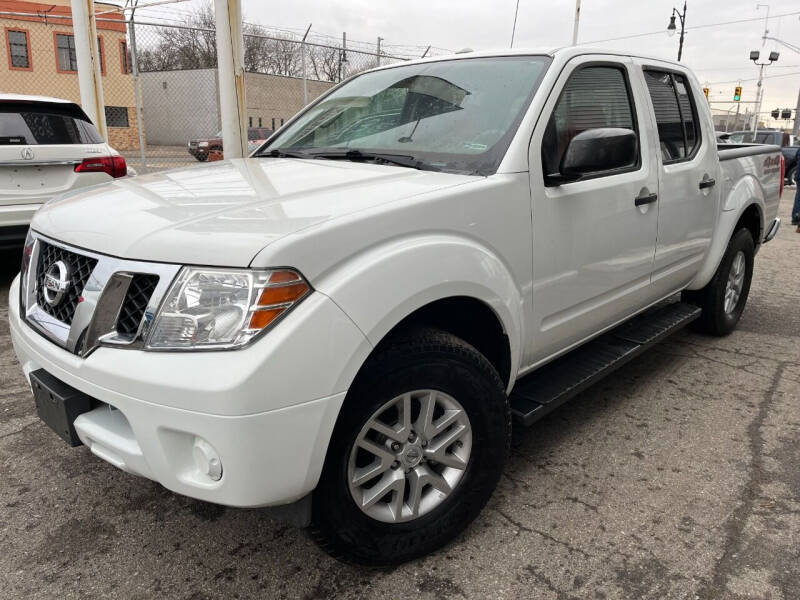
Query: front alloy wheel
x,y
416,452
409,456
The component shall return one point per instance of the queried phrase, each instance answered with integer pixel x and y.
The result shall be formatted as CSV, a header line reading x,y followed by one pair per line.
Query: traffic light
x,y
737,93
786,113
776,113
705,91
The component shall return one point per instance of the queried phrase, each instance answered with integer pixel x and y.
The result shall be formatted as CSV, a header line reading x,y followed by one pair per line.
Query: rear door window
x,y
23,123
676,117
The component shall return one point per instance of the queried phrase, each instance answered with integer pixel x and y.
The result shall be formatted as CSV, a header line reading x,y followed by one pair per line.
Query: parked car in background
x,y
201,147
47,146
788,143
348,320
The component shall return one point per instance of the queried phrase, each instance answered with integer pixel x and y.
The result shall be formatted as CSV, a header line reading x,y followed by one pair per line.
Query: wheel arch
x,y
738,212
447,282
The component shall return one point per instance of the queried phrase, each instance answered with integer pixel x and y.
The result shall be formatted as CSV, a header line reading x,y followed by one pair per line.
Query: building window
x,y
124,57
19,49
259,121
117,116
273,123
65,50
249,121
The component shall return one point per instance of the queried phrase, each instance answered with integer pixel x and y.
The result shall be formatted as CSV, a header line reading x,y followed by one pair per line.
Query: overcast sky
x,y
719,55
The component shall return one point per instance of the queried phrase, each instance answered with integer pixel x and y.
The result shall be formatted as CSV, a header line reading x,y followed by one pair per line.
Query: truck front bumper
x,y
266,421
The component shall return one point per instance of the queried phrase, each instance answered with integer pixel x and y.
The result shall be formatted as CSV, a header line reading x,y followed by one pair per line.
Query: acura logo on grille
x,y
56,282
27,153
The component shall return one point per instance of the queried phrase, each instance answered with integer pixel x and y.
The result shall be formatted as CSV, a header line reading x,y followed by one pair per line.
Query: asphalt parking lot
x,y
677,477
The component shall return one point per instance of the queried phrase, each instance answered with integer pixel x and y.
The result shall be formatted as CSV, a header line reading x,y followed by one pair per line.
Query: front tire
x,y
416,453
724,298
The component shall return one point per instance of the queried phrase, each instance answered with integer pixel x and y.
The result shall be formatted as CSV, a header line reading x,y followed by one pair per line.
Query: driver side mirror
x,y
597,150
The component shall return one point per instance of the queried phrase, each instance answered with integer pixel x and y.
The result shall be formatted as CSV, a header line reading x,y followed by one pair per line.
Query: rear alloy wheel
x,y
417,451
724,298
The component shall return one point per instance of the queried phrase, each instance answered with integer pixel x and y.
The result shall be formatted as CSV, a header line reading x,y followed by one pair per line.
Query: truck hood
x,y
224,213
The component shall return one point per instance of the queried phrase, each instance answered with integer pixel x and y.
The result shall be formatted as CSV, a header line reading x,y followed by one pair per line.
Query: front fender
x,y
745,192
382,285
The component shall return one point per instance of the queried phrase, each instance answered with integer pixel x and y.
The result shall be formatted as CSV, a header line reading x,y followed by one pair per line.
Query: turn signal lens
x,y
283,290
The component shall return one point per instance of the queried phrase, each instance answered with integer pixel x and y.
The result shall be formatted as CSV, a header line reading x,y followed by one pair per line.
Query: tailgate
x,y
32,174
41,141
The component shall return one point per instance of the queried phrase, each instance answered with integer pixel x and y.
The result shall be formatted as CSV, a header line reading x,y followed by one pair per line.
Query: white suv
x,y
47,146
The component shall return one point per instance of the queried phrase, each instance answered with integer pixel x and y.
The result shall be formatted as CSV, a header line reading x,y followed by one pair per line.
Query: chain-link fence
x,y
160,81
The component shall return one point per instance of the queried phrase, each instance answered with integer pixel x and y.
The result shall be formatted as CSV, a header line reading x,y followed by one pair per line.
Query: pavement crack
x,y
520,527
735,524
20,430
548,583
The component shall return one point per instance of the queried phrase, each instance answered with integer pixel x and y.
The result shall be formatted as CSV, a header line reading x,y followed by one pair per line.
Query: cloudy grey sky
x,y
718,54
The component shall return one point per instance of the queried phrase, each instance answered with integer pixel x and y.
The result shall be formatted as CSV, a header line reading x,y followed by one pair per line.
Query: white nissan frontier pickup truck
x,y
345,323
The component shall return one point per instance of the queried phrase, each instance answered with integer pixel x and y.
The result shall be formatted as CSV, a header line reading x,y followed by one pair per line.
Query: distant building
x,y
40,59
188,102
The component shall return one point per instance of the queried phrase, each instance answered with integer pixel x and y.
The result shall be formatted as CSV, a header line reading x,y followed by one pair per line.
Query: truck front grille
x,y
139,292
79,268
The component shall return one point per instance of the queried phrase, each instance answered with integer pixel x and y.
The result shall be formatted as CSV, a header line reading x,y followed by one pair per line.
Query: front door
x,y
593,243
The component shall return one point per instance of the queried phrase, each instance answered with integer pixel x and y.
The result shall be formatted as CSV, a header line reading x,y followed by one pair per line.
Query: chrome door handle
x,y
707,183
648,199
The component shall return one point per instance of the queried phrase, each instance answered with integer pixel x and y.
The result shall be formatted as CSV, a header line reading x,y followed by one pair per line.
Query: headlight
x,y
223,308
27,252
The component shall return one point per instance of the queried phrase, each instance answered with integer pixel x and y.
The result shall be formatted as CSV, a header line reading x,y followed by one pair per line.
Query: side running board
x,y
547,388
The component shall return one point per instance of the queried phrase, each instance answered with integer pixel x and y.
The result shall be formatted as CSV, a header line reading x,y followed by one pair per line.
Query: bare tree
x,y
193,46
325,61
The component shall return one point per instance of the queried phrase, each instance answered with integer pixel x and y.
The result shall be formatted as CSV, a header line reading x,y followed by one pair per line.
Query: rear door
x,y
592,244
687,169
40,144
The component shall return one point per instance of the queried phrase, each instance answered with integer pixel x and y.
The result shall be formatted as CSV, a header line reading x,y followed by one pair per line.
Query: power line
x,y
704,26
755,78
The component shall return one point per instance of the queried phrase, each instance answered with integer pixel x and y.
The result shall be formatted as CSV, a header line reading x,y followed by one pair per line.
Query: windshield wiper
x,y
278,153
401,160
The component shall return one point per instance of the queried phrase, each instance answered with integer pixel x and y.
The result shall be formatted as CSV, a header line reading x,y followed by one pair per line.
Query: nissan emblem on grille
x,y
56,282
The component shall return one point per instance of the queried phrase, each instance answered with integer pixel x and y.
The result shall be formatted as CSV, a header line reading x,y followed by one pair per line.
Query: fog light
x,y
207,459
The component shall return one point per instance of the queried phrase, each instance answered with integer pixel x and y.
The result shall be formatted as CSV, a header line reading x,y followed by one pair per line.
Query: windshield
x,y
455,115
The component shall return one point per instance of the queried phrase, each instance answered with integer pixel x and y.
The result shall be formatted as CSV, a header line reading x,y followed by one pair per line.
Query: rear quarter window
x,y
45,124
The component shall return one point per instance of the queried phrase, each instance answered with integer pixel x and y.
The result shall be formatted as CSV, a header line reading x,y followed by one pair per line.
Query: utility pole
x,y
796,128
577,21
514,28
90,81
230,53
378,50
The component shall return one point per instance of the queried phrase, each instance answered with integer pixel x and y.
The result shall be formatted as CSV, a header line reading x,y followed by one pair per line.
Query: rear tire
x,y
425,361
724,298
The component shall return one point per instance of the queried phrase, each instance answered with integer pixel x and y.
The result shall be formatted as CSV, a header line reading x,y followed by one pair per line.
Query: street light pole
x,y
754,56
671,27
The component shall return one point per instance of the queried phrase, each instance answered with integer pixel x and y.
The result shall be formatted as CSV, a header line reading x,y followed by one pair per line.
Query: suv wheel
x,y
416,453
724,298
